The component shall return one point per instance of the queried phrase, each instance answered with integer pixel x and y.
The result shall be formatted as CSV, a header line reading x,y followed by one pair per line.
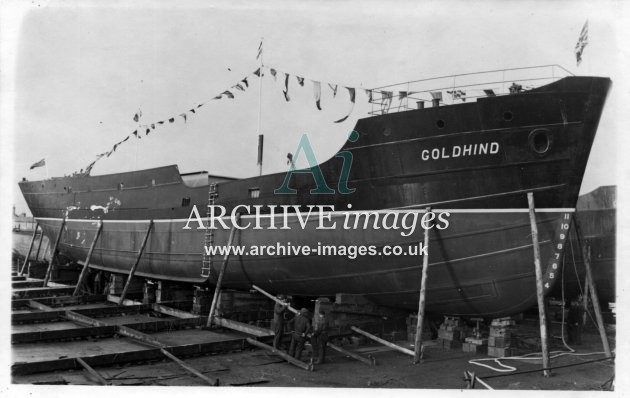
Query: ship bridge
x,y
461,88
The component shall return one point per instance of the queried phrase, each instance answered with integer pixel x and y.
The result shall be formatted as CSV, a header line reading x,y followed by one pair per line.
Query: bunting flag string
x,y
286,87
317,92
333,87
300,80
152,126
351,92
273,73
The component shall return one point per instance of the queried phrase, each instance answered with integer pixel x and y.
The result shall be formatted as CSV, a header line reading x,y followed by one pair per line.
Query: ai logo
x,y
316,172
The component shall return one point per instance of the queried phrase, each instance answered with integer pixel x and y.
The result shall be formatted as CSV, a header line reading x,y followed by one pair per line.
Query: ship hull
x,y
477,159
481,264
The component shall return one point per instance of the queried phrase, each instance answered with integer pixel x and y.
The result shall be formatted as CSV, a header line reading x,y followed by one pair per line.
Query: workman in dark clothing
x,y
320,337
301,327
279,311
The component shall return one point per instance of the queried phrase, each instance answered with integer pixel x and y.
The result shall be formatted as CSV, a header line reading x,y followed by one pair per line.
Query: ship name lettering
x,y
456,151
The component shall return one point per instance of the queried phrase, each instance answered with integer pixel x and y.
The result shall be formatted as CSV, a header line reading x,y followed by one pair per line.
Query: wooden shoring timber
x,y
141,338
93,372
54,252
384,342
417,349
370,360
86,264
540,295
30,248
189,368
591,289
132,271
285,356
39,245
226,258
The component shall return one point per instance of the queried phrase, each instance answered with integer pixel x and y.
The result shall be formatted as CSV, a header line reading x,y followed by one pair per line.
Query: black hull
x,y
536,141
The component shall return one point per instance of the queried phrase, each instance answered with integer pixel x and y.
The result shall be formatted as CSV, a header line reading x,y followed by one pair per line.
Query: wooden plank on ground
x,y
27,284
166,310
93,372
36,292
283,355
39,306
140,355
243,327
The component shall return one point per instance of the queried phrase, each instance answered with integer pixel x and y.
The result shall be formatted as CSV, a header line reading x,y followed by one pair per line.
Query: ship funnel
x,y
435,102
420,104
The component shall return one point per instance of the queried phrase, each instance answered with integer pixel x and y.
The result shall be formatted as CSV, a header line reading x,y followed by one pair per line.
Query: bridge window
x,y
254,193
186,201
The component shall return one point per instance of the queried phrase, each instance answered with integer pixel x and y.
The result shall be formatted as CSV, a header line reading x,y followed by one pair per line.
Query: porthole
x,y
508,116
387,132
540,141
440,124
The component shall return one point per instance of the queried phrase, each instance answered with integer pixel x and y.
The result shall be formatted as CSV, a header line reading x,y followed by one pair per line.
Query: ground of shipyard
x,y
440,369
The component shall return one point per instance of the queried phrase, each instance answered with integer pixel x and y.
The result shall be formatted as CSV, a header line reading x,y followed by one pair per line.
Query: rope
x,y
554,354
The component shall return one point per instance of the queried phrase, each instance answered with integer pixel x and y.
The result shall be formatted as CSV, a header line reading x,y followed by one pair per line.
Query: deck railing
x,y
465,87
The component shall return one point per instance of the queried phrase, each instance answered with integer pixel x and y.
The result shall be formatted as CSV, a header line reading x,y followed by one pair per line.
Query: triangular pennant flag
x,y
300,80
199,106
228,94
273,73
148,131
153,126
115,146
352,93
184,116
135,133
286,87
257,73
192,110
333,87
218,96
137,116
245,81
239,87
125,139
317,92
161,122
171,120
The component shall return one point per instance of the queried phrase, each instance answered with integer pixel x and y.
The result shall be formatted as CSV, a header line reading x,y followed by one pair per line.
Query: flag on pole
x,y
581,43
260,49
137,116
38,164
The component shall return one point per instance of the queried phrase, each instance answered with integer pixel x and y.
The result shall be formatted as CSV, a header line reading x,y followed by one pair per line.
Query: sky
x,y
81,70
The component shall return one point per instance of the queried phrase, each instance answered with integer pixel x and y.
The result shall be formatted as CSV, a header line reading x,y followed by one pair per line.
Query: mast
x,y
260,134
